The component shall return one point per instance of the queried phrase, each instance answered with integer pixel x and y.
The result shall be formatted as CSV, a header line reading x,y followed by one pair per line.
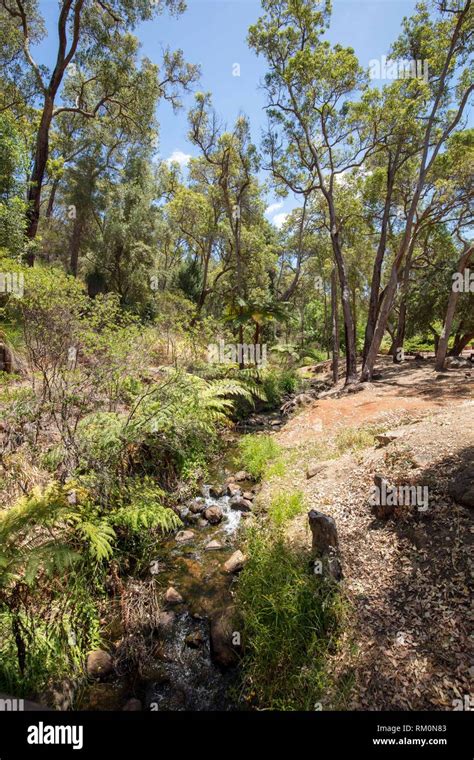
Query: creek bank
x,y
182,651
184,654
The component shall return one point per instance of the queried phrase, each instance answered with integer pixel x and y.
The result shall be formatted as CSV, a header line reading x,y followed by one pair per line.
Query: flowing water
x,y
185,672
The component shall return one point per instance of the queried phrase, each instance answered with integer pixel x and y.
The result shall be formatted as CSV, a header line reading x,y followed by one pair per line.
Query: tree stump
x,y
325,543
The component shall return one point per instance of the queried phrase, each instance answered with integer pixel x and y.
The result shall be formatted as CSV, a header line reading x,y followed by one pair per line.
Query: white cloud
x,y
179,157
280,219
273,207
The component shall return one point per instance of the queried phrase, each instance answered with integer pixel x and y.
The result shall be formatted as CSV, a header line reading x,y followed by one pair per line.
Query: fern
x,y
99,537
142,507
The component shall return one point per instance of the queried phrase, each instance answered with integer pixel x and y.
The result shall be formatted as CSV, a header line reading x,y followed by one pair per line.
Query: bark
x,y
461,342
335,327
402,314
37,175
351,359
379,257
451,308
52,198
19,642
204,289
75,243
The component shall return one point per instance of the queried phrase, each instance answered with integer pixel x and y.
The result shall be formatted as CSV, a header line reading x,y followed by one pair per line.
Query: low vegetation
x,y
260,455
291,619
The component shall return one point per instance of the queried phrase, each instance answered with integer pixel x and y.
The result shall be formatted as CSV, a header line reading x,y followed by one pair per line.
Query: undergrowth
x,y
291,619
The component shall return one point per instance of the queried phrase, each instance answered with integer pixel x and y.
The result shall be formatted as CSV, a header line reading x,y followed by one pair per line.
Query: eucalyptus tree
x,y
230,162
442,35
445,208
314,135
195,213
95,47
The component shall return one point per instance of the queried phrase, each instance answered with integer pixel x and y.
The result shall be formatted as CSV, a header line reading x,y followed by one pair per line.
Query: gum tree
x,y
313,136
230,162
93,41
442,35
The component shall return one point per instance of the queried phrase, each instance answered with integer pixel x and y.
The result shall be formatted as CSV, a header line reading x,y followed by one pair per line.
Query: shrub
x,y
284,506
257,452
290,621
276,383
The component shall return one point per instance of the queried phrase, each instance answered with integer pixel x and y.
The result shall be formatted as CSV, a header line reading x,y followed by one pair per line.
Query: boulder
x,y
213,515
248,495
183,536
356,387
235,562
213,546
325,544
384,439
215,492
243,505
224,651
99,664
233,490
457,361
303,399
332,565
242,475
461,488
323,531
196,505
315,469
173,597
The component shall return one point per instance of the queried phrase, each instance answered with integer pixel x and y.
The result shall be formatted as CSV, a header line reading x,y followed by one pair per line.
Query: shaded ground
x,y
407,578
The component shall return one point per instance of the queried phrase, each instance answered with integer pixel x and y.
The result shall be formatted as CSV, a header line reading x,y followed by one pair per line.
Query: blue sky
x,y
213,34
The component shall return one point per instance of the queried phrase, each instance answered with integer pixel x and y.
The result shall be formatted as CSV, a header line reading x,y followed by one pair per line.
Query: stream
x,y
190,665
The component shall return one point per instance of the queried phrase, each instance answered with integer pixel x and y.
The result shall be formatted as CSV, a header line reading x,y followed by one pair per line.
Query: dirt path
x,y
404,388
406,644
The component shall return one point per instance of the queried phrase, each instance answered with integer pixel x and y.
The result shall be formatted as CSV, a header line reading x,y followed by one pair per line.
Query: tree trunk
x,y
335,327
75,243
20,642
448,320
377,268
241,341
461,344
354,315
326,330
52,198
402,314
37,175
351,359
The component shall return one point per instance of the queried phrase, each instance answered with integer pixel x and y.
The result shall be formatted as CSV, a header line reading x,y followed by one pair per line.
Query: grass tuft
x,y
259,454
284,506
290,623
